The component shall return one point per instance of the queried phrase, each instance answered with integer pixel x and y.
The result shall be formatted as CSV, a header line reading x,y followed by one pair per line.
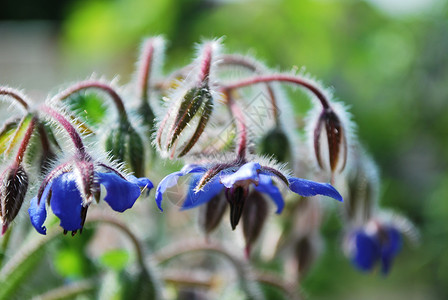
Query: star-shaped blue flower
x,y
240,176
67,203
381,244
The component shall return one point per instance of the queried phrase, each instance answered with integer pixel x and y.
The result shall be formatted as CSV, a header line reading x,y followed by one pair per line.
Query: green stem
x,y
68,291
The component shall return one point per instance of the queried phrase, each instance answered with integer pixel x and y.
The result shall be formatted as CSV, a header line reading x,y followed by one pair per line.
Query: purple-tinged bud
x,y
254,217
236,196
211,213
336,140
14,185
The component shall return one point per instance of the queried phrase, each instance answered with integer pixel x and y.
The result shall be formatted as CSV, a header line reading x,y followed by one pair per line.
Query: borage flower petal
x,y
66,201
38,215
194,199
121,193
171,180
308,188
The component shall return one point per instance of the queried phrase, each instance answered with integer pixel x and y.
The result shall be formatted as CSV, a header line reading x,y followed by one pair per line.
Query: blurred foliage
x,y
392,70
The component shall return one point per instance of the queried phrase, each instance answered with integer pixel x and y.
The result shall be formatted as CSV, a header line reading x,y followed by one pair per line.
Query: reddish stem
x,y
26,140
92,84
16,95
144,72
240,124
280,77
206,63
74,135
254,66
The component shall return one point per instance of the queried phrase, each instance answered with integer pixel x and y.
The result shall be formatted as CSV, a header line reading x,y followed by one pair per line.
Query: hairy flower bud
x,y
254,216
126,145
192,110
335,138
14,185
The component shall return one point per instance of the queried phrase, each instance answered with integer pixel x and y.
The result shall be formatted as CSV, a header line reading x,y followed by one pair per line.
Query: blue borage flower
x,y
69,202
240,176
374,243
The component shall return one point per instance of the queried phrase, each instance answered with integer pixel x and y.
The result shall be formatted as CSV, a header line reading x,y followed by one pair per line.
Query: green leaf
x,y
115,259
69,262
10,138
89,107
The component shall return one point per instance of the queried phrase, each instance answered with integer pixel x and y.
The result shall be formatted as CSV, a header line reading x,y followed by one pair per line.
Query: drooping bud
x,y
212,212
330,139
276,143
236,196
126,145
335,138
14,185
254,217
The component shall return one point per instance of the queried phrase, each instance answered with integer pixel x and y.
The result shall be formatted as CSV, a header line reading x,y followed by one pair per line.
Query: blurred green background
x,y
388,60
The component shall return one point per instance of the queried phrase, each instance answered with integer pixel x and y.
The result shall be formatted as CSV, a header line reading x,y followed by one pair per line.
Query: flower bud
x,y
334,139
126,145
14,185
193,110
211,213
276,143
254,216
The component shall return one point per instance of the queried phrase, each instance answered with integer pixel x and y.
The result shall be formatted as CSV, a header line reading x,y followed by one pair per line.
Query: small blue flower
x,y
240,176
66,199
375,243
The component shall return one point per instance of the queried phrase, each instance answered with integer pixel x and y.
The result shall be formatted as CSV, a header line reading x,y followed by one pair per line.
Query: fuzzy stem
x,y
4,245
101,218
240,124
68,291
16,95
145,69
74,135
242,268
283,78
275,281
241,61
26,140
92,84
206,63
